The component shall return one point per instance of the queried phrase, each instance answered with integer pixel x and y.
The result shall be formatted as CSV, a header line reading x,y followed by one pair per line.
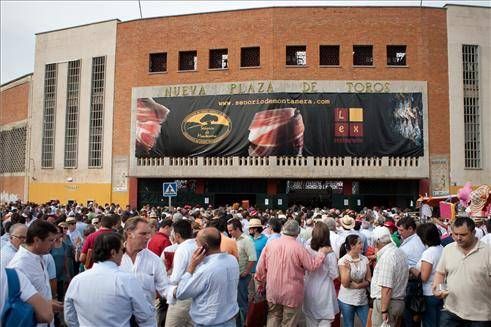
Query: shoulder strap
x,y
13,281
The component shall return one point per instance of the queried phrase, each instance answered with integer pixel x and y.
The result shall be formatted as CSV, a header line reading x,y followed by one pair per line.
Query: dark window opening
x,y
362,55
188,60
296,55
329,55
250,57
158,62
218,59
396,55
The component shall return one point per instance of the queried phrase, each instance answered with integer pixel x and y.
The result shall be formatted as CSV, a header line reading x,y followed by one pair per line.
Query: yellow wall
x,y
42,192
121,198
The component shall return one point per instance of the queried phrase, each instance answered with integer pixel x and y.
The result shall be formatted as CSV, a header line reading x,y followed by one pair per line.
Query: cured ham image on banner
x,y
281,124
276,132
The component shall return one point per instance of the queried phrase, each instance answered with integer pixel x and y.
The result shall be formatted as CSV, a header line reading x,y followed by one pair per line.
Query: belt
x,y
393,299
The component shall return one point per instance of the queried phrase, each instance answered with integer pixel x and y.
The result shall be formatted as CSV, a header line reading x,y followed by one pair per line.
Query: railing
x,y
301,167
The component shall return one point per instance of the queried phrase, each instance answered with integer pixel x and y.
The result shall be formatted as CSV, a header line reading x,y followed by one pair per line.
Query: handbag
x,y
417,302
258,309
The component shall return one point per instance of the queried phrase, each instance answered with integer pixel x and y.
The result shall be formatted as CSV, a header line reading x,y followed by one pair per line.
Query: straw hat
x,y
347,222
255,223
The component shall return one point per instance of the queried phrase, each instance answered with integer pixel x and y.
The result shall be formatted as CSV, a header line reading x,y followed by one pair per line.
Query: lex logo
x,y
348,122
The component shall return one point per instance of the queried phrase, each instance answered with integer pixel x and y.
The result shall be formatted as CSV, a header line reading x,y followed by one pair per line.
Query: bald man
x,y
211,282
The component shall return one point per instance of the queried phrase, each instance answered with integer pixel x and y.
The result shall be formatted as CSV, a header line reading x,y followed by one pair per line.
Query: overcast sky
x,y
21,20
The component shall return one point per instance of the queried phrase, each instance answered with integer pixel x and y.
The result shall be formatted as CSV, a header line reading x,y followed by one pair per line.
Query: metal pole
x,y
140,5
170,202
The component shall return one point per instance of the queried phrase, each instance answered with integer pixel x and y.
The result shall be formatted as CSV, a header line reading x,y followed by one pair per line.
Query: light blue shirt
x,y
413,248
213,288
107,296
6,254
273,237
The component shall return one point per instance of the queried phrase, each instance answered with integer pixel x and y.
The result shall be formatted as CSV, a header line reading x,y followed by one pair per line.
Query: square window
x,y
363,55
250,57
329,55
296,55
188,60
157,62
218,59
396,55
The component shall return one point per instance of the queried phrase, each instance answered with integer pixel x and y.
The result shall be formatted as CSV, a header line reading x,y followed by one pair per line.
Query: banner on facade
x,y
281,124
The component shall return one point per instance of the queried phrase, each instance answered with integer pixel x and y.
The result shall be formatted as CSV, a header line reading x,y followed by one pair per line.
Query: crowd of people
x,y
107,265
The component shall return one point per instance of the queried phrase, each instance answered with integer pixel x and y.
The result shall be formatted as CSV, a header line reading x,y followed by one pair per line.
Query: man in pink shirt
x,y
282,267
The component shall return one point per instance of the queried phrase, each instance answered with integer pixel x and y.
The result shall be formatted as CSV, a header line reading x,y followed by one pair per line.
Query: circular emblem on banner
x,y
206,126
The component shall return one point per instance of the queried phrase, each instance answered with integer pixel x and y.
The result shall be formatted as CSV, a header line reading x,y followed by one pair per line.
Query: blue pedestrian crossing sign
x,y
169,189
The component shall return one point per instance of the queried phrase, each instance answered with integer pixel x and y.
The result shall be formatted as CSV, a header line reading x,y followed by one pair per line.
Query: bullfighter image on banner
x,y
281,124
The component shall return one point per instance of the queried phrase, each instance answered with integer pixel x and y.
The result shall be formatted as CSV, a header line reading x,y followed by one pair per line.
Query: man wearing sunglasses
x,y
17,236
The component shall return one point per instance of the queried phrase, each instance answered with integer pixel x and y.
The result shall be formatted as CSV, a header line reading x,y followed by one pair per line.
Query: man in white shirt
x,y
29,260
145,265
17,236
211,281
389,280
413,248
105,295
178,312
247,260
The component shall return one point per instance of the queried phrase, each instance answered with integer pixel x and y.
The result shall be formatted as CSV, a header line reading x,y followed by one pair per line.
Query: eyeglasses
x,y
19,237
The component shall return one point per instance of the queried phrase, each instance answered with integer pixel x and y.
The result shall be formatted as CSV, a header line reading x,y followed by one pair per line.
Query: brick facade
x,y
14,105
422,30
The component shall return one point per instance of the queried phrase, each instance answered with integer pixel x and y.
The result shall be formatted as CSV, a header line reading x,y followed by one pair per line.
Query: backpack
x,y
16,313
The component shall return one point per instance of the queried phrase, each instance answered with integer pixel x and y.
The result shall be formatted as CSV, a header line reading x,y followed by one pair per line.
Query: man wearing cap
x,y
282,267
389,280
247,260
466,267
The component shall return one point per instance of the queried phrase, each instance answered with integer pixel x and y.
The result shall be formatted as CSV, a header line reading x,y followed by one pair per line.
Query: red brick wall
x,y
423,30
14,104
12,185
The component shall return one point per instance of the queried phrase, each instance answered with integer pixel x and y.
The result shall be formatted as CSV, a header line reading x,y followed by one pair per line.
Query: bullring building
x,y
327,106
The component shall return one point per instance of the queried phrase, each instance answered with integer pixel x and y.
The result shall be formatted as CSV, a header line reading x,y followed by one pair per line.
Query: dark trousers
x,y
449,319
431,316
409,316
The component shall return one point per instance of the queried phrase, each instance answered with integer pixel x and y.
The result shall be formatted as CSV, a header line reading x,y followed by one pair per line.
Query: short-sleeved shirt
x,y
431,255
247,251
391,271
26,288
468,280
